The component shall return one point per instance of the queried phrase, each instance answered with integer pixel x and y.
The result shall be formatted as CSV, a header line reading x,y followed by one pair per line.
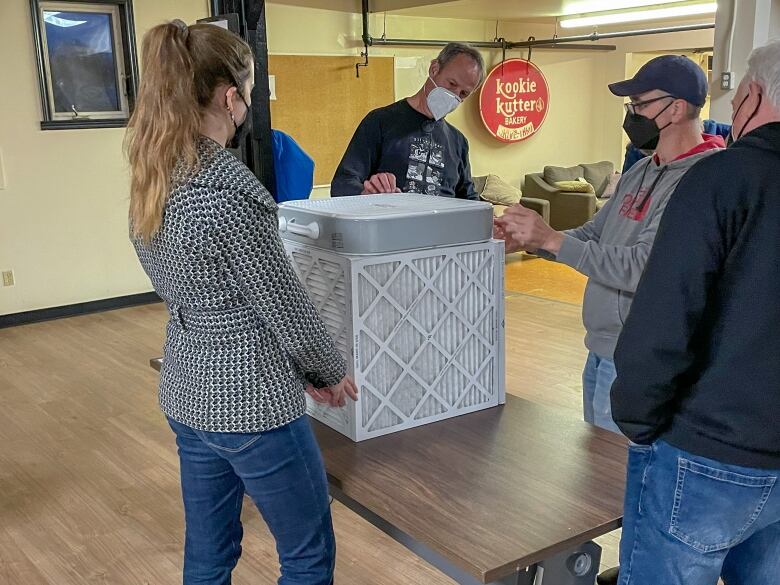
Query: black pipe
x,y
366,37
554,42
482,44
616,35
579,47
366,40
431,43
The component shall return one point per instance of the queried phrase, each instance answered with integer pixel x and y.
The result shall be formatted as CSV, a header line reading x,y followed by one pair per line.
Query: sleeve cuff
x,y
544,254
571,252
319,381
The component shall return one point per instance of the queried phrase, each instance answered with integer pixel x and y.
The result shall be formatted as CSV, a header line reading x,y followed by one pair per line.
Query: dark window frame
x,y
128,60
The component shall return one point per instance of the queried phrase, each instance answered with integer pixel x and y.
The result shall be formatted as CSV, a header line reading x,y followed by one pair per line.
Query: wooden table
x,y
508,495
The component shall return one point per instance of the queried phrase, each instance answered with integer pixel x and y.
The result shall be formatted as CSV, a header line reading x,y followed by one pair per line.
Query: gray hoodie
x,y
612,249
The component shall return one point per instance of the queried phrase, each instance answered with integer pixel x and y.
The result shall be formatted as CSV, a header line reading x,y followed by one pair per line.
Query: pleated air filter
x,y
422,329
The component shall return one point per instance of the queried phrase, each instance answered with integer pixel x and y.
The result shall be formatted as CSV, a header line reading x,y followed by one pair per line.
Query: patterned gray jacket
x,y
243,336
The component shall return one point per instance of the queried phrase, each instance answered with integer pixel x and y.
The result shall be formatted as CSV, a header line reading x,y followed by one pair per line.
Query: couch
x,y
570,208
502,195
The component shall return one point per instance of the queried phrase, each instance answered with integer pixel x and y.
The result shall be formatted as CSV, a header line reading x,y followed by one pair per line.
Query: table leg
x,y
578,566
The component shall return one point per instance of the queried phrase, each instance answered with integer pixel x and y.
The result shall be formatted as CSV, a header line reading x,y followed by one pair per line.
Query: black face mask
x,y
243,129
731,139
643,132
652,144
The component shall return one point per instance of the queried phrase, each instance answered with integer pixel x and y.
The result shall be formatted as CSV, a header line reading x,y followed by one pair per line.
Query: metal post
x,y
261,140
257,152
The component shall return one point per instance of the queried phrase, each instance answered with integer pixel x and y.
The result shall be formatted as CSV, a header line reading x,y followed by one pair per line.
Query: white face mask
x,y
441,101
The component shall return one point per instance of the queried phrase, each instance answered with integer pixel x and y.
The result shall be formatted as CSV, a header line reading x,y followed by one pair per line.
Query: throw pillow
x,y
614,179
499,192
479,183
554,174
579,186
498,210
597,174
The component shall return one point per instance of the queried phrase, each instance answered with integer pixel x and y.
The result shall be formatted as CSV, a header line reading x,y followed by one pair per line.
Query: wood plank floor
x,y
89,489
539,278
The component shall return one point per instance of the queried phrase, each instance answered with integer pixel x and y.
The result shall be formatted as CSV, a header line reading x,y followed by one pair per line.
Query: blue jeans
x,y
689,520
283,473
597,381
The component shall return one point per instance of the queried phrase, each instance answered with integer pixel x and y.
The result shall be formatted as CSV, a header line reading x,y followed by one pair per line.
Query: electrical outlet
x,y
727,81
8,277
272,87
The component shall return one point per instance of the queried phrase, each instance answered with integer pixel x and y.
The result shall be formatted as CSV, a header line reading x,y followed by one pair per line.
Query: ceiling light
x,y
654,13
588,6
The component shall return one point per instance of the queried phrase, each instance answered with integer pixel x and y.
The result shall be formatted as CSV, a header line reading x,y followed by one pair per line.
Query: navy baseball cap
x,y
674,74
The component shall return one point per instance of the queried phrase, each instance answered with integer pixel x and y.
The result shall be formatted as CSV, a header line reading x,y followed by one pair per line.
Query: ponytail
x,y
182,68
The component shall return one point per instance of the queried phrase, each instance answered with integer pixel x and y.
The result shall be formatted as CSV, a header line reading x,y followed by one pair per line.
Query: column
x,y
735,38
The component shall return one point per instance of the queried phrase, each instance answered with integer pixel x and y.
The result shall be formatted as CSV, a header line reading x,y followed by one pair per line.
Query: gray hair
x,y
764,69
452,50
693,112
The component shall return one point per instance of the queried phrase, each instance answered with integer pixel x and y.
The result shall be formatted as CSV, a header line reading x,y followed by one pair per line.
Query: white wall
x,y
63,213
756,23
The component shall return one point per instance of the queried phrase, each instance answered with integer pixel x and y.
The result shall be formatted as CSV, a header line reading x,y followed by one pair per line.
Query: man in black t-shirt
x,y
408,146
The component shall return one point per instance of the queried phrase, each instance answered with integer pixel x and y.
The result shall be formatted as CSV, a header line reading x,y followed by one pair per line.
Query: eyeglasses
x,y
632,107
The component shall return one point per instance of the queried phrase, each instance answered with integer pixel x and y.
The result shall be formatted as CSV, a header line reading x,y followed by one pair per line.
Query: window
x,y
86,62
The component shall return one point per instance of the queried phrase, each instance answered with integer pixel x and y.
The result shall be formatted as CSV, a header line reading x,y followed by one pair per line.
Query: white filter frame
x,y
422,332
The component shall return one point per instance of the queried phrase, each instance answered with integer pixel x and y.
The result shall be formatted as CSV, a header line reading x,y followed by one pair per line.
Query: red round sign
x,y
514,100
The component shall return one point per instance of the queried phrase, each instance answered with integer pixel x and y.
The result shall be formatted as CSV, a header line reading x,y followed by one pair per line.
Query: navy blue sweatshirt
x,y
698,360
426,156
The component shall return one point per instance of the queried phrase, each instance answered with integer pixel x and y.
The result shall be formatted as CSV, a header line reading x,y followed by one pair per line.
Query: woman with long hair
x,y
243,342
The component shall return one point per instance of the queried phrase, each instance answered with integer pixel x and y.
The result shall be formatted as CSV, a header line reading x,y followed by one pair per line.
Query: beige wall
x,y
584,122
63,212
572,132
